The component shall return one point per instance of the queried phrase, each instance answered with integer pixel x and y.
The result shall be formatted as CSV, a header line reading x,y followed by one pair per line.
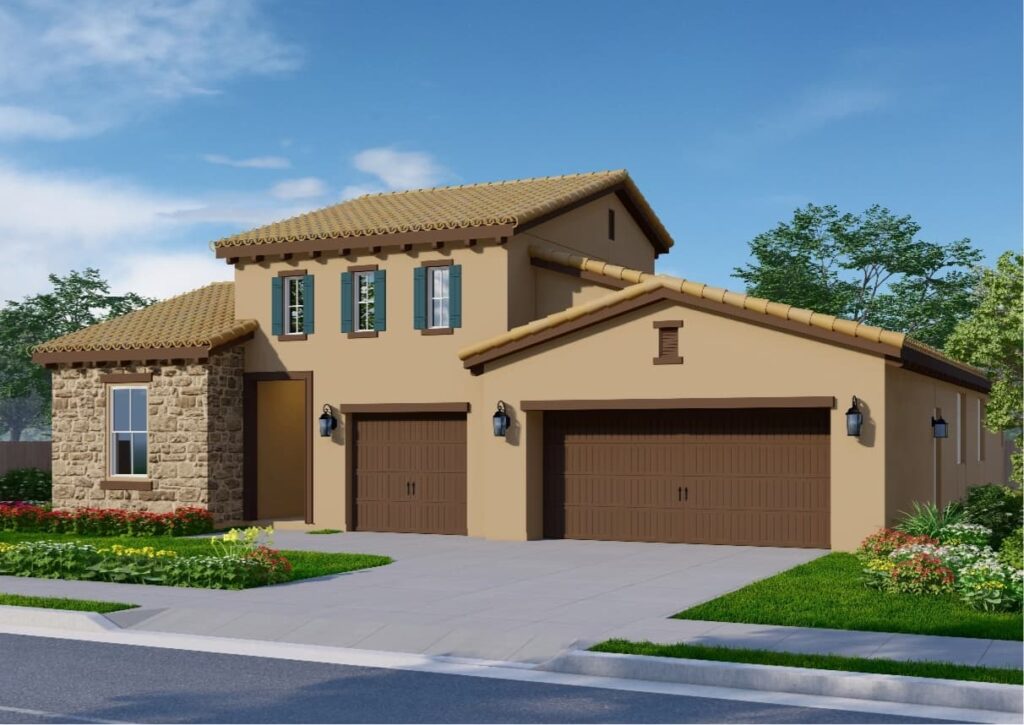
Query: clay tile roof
x,y
450,207
645,282
202,318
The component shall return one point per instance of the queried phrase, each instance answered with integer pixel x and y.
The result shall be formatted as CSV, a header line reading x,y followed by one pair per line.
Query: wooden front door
x,y
744,477
409,473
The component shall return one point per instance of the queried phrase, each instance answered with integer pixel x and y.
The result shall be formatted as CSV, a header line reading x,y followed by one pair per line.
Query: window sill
x,y
438,331
126,484
291,338
363,333
668,361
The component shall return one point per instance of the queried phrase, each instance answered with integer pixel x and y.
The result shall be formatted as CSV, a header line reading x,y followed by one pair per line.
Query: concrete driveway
x,y
449,595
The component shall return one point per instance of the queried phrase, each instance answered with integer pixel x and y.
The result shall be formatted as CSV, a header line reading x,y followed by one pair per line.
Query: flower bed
x,y
238,560
23,517
959,561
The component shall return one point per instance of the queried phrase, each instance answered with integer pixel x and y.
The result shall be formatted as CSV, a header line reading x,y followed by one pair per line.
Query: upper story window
x,y
438,312
291,295
364,300
437,297
611,224
128,430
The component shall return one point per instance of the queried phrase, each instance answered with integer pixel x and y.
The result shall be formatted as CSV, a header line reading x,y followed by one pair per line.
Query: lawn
x,y
828,592
77,605
939,670
306,564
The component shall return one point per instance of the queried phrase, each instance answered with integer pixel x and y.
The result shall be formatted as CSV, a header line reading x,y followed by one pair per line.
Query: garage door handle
x,y
680,493
684,493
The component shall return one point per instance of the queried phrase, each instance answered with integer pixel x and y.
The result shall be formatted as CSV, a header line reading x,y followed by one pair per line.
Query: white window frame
x,y
361,301
294,312
444,297
978,418
960,432
112,432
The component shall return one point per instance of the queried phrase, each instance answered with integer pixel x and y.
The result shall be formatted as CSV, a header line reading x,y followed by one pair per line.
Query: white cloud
x,y
255,162
64,56
353,190
18,122
400,169
165,274
303,188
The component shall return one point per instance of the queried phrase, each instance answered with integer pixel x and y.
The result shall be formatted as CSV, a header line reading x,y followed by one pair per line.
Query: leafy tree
x,y
990,338
77,300
868,267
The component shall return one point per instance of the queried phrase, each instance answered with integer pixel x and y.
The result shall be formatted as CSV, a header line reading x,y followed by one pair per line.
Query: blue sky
x,y
132,134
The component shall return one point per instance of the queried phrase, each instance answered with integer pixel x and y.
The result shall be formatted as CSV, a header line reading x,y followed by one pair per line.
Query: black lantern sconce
x,y
327,422
940,429
854,418
500,420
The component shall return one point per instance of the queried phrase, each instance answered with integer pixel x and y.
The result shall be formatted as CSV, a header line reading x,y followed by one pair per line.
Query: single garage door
x,y
745,477
409,473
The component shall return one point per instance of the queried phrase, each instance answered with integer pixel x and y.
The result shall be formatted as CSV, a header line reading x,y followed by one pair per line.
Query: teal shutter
x,y
380,300
455,295
419,298
346,302
307,304
276,305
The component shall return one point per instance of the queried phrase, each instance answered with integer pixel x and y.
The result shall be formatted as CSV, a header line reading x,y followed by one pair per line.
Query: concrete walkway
x,y
519,601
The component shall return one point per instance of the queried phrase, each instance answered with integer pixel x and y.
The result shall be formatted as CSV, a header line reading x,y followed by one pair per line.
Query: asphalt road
x,y
54,680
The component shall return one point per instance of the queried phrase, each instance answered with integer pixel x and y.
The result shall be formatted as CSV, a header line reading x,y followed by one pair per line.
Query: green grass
x,y
828,592
305,564
325,531
77,605
939,670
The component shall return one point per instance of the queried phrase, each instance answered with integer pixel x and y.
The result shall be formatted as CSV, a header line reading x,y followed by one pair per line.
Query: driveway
x,y
449,595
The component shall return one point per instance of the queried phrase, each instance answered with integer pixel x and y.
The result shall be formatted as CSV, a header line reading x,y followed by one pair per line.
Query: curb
x,y
825,683
55,619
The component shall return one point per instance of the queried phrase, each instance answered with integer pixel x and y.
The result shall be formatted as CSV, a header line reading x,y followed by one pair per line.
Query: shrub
x,y
1000,508
916,572
104,522
1011,552
990,585
885,541
973,534
26,484
927,520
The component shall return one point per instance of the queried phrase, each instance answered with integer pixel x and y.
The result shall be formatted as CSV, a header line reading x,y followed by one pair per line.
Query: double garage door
x,y
743,477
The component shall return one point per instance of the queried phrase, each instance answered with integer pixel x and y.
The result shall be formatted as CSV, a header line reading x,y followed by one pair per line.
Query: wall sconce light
x,y
500,420
327,422
854,418
940,429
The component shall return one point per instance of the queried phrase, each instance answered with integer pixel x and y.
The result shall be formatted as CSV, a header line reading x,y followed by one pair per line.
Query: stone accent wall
x,y
195,437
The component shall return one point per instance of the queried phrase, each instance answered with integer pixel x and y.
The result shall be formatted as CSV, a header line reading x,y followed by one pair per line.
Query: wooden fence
x,y
24,454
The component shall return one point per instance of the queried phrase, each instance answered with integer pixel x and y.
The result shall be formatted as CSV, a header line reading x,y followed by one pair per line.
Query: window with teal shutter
x,y
380,301
346,302
307,304
419,298
455,296
276,306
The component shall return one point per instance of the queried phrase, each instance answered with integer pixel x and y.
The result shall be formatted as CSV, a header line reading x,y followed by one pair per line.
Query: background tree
x,y
991,338
868,267
77,300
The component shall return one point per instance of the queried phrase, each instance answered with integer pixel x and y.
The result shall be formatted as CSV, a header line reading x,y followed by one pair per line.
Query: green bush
x,y
1000,508
927,520
1011,552
26,484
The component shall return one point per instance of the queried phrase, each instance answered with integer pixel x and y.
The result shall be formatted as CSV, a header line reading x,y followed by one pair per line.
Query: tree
x,y
869,267
77,300
990,338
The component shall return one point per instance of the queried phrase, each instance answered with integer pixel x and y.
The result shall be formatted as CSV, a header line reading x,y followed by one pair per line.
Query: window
x,y
437,297
611,224
365,292
294,308
980,419
128,426
961,428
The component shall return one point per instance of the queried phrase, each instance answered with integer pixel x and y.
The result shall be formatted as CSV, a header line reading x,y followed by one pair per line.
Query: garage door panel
x,y
758,477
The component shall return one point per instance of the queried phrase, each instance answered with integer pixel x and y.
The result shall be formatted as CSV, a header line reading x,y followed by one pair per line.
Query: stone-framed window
x,y
129,430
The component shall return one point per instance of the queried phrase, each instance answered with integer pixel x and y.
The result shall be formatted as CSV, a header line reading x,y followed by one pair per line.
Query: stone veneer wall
x,y
195,437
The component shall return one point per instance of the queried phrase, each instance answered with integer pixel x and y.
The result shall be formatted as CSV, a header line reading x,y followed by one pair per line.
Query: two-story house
x,y
501,360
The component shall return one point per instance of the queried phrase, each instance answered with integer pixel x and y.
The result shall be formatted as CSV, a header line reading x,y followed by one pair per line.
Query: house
x,y
639,406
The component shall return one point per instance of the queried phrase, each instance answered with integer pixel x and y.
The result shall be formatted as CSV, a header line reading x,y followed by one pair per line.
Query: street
x,y
59,680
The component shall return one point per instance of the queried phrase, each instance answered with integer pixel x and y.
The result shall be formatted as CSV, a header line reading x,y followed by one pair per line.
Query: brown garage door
x,y
747,477
410,473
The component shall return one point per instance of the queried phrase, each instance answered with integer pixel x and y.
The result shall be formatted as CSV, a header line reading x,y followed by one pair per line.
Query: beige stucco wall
x,y
195,437
922,468
723,358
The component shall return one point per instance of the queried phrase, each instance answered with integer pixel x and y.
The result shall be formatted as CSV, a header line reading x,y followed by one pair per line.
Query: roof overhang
x,y
99,358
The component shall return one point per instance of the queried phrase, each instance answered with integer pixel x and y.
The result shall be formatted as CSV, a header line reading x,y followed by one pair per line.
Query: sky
x,y
132,134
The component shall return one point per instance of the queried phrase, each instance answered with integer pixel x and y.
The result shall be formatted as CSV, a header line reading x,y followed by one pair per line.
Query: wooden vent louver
x,y
668,342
